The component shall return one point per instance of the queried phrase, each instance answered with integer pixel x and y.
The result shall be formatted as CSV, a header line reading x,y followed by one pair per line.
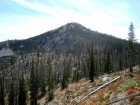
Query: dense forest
x,y
56,58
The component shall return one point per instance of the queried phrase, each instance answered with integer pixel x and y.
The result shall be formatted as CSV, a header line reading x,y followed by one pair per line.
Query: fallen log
x,y
77,102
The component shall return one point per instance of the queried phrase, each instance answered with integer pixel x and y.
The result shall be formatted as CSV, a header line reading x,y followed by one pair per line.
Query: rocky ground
x,y
123,91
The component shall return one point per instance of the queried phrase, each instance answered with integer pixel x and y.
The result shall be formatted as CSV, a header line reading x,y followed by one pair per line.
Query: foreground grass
x,y
119,89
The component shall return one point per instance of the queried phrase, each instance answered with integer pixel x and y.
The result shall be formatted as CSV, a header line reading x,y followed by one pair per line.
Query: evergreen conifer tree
x,y
120,61
107,63
22,92
92,68
64,80
51,88
43,77
131,49
66,74
33,90
50,81
1,92
11,96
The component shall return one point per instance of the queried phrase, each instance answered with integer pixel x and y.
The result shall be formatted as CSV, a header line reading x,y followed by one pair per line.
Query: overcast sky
x,y
20,19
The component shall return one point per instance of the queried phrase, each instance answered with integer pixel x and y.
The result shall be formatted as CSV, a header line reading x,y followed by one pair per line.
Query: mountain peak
x,y
66,27
70,26
73,24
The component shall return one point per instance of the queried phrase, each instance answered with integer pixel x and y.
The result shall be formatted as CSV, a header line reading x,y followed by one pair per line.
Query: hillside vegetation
x,y
64,65
125,90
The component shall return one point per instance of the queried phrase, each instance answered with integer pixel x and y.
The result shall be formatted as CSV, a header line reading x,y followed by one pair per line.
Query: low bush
x,y
132,90
131,98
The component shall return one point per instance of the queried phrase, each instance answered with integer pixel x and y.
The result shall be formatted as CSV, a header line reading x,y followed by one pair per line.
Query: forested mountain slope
x,y
68,37
33,68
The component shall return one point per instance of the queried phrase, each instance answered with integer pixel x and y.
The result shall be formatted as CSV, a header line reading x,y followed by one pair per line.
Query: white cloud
x,y
92,14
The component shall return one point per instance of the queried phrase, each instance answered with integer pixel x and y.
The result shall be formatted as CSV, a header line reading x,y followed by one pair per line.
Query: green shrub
x,y
135,102
132,85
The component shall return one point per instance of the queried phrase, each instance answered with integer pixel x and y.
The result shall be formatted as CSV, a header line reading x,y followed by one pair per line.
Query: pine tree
x,y
11,96
107,63
1,68
22,92
66,74
131,50
96,67
50,81
92,68
100,71
33,87
77,75
43,77
1,92
51,88
64,80
120,61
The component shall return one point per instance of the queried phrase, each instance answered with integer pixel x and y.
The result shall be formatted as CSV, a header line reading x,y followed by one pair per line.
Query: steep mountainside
x,y
70,37
42,64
